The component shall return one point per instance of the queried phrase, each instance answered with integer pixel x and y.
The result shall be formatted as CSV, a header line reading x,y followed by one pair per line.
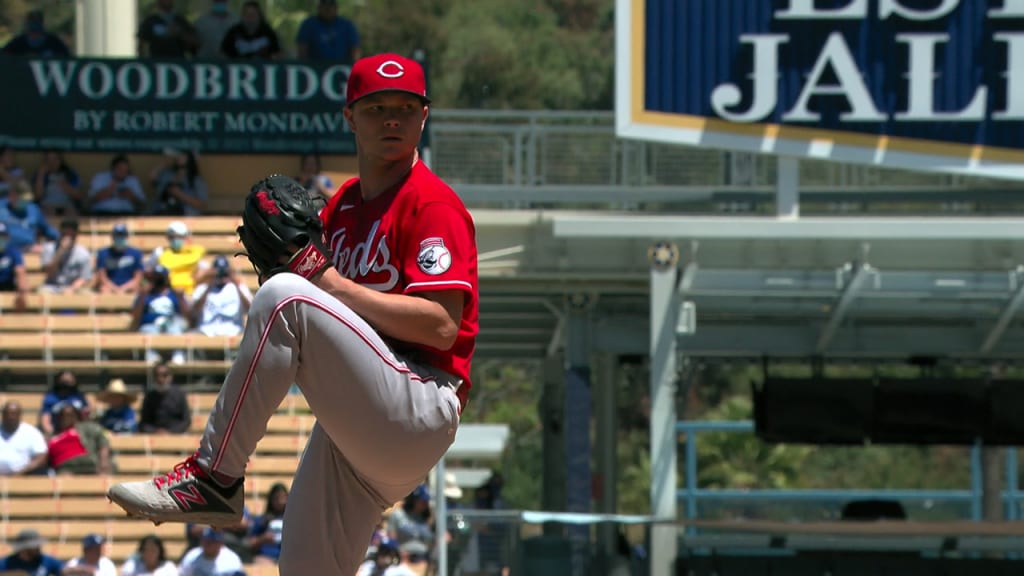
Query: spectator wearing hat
x,y
150,559
65,389
27,555
118,266
412,520
78,446
24,219
116,191
36,41
92,562
181,257
22,446
220,305
119,416
13,277
160,309
414,558
57,187
328,36
383,556
165,408
211,557
66,263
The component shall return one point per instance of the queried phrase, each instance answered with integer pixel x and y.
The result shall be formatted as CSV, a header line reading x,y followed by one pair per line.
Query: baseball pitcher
x,y
371,309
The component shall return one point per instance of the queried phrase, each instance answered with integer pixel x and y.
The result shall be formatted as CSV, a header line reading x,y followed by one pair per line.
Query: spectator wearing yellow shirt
x,y
182,258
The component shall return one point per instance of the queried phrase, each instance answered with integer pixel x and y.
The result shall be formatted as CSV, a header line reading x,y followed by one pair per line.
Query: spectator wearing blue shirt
x,y
119,416
57,186
265,541
116,191
160,310
36,41
13,277
65,389
24,220
119,266
27,556
327,36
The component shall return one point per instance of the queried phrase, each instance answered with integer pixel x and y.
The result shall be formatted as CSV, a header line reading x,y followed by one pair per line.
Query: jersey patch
x,y
434,258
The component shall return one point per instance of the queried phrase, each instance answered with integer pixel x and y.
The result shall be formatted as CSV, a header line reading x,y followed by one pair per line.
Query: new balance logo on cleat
x,y
187,494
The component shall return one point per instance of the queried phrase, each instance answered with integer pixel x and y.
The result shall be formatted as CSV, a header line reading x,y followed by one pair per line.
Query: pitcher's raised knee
x,y
281,286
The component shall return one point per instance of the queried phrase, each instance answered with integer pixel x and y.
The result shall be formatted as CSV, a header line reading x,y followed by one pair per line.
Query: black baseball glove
x,y
281,230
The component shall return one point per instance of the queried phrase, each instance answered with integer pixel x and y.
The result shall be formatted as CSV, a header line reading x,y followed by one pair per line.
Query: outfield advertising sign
x,y
918,84
96,105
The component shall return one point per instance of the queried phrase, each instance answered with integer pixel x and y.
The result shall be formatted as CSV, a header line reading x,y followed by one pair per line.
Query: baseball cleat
x,y
187,494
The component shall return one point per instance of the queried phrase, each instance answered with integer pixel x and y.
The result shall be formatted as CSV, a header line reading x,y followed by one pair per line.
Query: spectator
x,y
266,531
180,190
116,191
22,446
412,520
165,408
317,183
118,266
182,258
24,219
92,562
66,263
211,557
212,27
150,559
414,557
10,173
57,187
65,389
27,556
13,277
79,446
219,306
167,34
252,38
327,36
36,41
160,309
119,416
235,537
385,555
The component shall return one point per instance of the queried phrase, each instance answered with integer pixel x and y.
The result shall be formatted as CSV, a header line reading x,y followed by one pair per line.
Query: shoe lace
x,y
182,471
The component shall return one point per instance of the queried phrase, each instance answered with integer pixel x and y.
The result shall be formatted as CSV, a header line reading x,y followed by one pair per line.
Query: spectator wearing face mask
x,y
36,41
182,258
116,191
211,28
252,38
220,305
165,407
65,389
24,220
118,266
67,264
160,309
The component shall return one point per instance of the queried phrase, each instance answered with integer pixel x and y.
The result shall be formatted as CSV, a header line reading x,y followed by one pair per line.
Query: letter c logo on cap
x,y
391,69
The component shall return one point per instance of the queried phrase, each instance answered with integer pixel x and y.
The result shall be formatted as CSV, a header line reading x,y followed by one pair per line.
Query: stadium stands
x,y
89,333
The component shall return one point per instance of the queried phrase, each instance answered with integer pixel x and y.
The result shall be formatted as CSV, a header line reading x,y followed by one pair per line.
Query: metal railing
x,y
526,157
694,496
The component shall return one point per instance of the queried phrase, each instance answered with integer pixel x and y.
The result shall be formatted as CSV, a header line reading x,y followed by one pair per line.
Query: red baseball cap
x,y
383,72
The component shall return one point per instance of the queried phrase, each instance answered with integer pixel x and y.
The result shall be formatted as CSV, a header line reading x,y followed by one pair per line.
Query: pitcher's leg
x,y
330,515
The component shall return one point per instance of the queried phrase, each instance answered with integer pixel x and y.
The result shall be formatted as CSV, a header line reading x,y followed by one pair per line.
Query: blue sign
x,y
918,84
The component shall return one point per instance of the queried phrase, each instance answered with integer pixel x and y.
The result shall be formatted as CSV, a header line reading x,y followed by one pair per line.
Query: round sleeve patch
x,y
434,258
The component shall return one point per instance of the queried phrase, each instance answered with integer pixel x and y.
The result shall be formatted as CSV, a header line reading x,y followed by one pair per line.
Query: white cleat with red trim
x,y
187,494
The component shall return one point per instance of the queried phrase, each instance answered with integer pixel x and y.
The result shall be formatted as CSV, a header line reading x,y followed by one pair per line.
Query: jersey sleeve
x,y
439,251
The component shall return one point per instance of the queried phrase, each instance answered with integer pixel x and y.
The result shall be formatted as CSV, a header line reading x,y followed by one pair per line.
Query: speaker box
x,y
814,410
929,411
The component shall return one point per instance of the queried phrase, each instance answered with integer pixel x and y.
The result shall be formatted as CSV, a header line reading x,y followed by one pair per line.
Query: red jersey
x,y
417,238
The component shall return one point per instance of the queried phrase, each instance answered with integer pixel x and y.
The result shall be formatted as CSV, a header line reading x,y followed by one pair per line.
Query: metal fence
x,y
529,157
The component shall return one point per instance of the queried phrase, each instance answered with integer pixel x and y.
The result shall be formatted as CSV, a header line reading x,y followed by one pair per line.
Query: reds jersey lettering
x,y
367,262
